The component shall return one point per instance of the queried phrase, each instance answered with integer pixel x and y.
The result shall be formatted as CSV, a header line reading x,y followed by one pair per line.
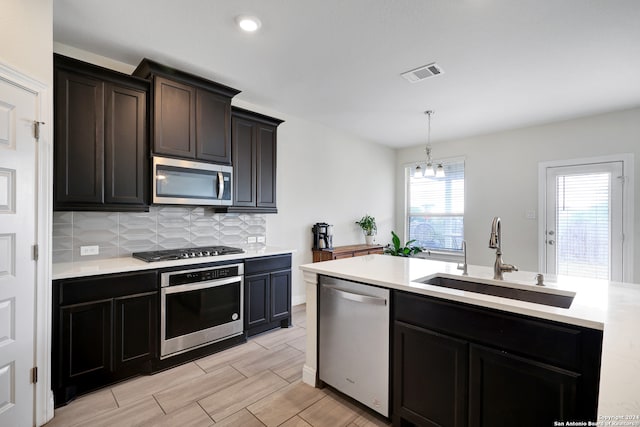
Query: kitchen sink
x,y
546,298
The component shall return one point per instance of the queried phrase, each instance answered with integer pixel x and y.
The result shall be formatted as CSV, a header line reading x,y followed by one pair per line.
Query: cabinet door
x,y
125,146
506,390
280,295
174,118
85,350
266,166
79,139
243,147
256,294
213,122
430,378
135,335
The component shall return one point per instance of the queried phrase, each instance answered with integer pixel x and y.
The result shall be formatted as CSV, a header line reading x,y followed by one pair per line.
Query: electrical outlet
x,y
530,214
89,250
262,239
251,239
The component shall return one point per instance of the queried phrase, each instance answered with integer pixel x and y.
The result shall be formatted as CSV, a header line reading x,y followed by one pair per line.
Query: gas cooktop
x,y
186,253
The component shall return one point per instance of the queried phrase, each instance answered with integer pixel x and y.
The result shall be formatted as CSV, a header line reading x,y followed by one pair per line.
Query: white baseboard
x,y
309,375
298,299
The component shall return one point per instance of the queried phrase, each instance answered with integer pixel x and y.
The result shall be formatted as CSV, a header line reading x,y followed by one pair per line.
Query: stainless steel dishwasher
x,y
354,341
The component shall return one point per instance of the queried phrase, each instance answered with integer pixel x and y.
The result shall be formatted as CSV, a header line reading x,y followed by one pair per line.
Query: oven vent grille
x,y
423,72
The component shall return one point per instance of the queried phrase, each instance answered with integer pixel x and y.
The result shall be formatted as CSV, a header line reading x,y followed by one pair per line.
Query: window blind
x,y
582,224
435,209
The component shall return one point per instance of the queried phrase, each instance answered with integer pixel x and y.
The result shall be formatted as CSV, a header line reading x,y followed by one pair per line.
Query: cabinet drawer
x,y
271,263
342,255
85,289
546,341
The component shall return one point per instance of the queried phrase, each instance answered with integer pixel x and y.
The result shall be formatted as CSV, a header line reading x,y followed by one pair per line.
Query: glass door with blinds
x,y
435,209
583,235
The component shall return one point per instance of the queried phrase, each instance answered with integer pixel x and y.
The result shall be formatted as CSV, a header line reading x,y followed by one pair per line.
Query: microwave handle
x,y
220,185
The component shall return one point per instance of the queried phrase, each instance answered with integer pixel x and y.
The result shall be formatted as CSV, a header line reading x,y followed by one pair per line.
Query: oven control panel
x,y
183,277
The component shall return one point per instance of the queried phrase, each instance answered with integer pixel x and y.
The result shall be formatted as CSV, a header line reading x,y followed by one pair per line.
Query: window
x,y
435,209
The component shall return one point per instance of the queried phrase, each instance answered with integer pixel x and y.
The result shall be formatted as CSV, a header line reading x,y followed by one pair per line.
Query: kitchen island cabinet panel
x,y
521,371
507,390
430,377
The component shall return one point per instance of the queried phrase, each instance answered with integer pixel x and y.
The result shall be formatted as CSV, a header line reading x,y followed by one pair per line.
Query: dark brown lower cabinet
x,y
135,332
85,344
104,330
507,390
431,377
267,293
456,365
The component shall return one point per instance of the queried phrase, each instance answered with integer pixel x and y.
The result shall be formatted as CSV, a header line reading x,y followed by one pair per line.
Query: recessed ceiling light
x,y
248,23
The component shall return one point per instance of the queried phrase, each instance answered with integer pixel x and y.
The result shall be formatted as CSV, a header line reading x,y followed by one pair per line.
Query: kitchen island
x,y
610,307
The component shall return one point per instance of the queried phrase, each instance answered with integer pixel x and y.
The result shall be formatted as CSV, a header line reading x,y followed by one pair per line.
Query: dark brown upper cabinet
x,y
254,151
101,145
191,115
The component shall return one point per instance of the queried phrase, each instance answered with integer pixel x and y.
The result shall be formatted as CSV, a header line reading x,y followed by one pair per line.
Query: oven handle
x,y
200,285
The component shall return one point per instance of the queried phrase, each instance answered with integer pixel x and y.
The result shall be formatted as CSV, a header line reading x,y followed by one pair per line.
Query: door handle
x,y
352,296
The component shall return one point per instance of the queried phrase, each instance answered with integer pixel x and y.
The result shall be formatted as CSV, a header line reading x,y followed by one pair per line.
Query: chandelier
x,y
430,169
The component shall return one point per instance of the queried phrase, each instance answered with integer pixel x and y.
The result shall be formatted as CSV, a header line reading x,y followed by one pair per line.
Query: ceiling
x,y
507,64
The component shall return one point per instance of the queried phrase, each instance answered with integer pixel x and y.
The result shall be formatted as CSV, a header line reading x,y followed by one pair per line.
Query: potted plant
x,y
369,228
396,250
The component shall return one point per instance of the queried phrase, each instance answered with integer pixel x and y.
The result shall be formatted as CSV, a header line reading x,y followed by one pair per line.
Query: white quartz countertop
x,y
67,270
599,304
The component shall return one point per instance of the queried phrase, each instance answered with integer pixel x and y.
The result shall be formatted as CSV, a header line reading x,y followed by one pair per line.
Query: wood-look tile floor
x,y
253,384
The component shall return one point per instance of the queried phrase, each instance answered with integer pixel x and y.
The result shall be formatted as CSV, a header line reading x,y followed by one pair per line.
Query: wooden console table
x,y
345,252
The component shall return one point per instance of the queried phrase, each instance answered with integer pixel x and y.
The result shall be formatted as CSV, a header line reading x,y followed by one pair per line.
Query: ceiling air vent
x,y
423,72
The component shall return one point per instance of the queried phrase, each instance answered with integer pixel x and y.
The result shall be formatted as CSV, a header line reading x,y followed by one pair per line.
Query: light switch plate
x,y
89,250
251,239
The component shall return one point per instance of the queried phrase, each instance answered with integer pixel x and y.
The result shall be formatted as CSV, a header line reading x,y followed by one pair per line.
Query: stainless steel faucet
x,y
495,242
463,267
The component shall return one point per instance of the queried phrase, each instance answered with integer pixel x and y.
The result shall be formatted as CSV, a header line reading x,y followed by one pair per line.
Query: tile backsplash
x,y
118,234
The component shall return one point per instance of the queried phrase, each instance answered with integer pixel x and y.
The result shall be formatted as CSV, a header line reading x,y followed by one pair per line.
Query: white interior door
x,y
583,235
18,109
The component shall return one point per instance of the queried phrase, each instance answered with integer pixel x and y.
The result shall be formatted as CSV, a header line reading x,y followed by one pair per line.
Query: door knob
x,y
551,242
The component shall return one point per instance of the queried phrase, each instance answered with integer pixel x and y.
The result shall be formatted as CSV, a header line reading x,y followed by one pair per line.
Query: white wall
x,y
26,31
324,175
502,177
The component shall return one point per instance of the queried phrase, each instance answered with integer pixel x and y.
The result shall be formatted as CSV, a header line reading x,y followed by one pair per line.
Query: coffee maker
x,y
322,235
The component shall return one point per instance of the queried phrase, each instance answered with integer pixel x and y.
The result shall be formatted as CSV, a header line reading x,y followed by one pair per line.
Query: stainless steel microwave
x,y
187,182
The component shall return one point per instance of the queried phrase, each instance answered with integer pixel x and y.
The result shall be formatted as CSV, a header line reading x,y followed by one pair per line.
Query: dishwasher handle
x,y
352,296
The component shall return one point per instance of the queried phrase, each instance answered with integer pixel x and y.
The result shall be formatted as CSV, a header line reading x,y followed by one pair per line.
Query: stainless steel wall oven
x,y
199,307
